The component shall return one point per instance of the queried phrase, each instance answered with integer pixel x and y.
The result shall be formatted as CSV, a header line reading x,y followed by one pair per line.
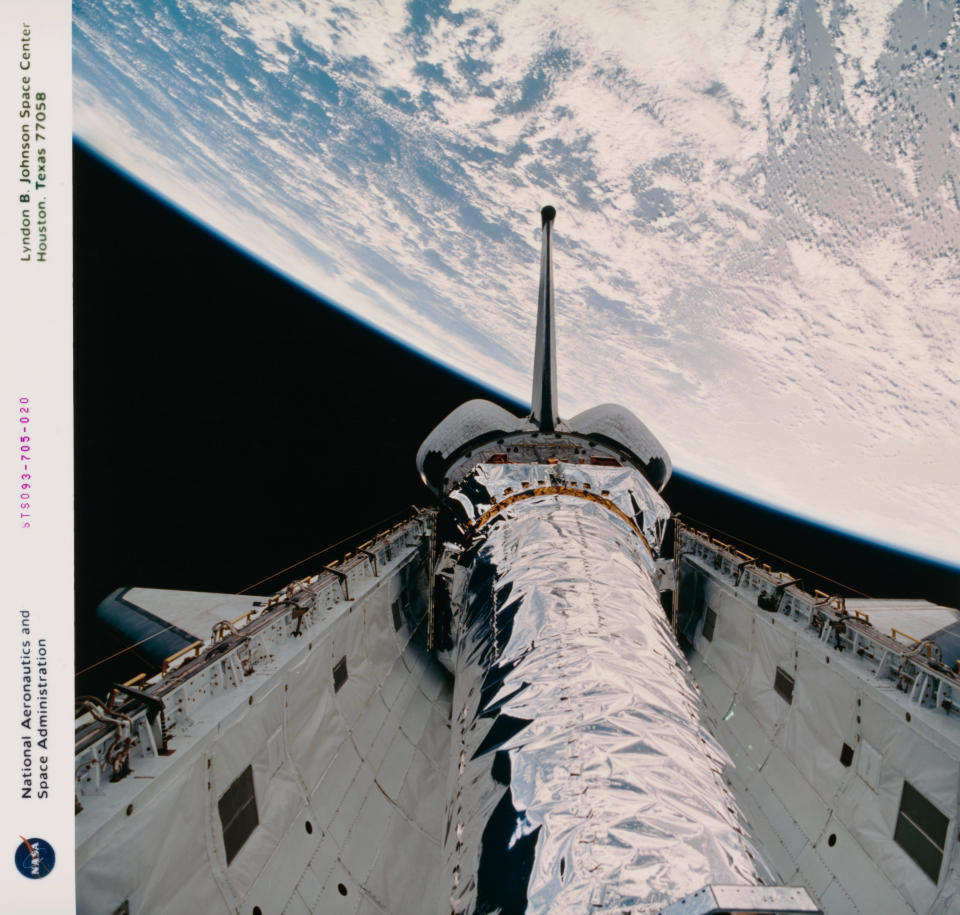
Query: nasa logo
x,y
34,858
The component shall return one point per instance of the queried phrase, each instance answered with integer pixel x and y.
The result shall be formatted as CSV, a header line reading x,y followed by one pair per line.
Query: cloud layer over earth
x,y
759,208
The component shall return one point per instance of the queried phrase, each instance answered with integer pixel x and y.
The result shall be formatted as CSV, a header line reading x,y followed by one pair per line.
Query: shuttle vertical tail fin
x,y
544,400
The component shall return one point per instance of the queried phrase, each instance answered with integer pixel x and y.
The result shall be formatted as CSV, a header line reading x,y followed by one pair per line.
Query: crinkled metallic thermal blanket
x,y
582,778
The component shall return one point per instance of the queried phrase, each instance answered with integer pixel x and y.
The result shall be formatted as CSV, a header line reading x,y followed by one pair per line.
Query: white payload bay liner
x,y
820,775
347,777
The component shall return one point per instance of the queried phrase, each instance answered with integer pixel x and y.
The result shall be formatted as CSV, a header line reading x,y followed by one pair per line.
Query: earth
x,y
759,209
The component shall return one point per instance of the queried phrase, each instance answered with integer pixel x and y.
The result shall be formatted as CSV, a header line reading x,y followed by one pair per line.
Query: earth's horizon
x,y
756,246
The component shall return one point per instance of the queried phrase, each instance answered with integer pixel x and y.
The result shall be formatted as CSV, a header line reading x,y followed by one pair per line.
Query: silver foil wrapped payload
x,y
582,779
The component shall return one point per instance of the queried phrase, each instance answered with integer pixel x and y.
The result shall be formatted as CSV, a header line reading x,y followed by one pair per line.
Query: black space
x,y
229,424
